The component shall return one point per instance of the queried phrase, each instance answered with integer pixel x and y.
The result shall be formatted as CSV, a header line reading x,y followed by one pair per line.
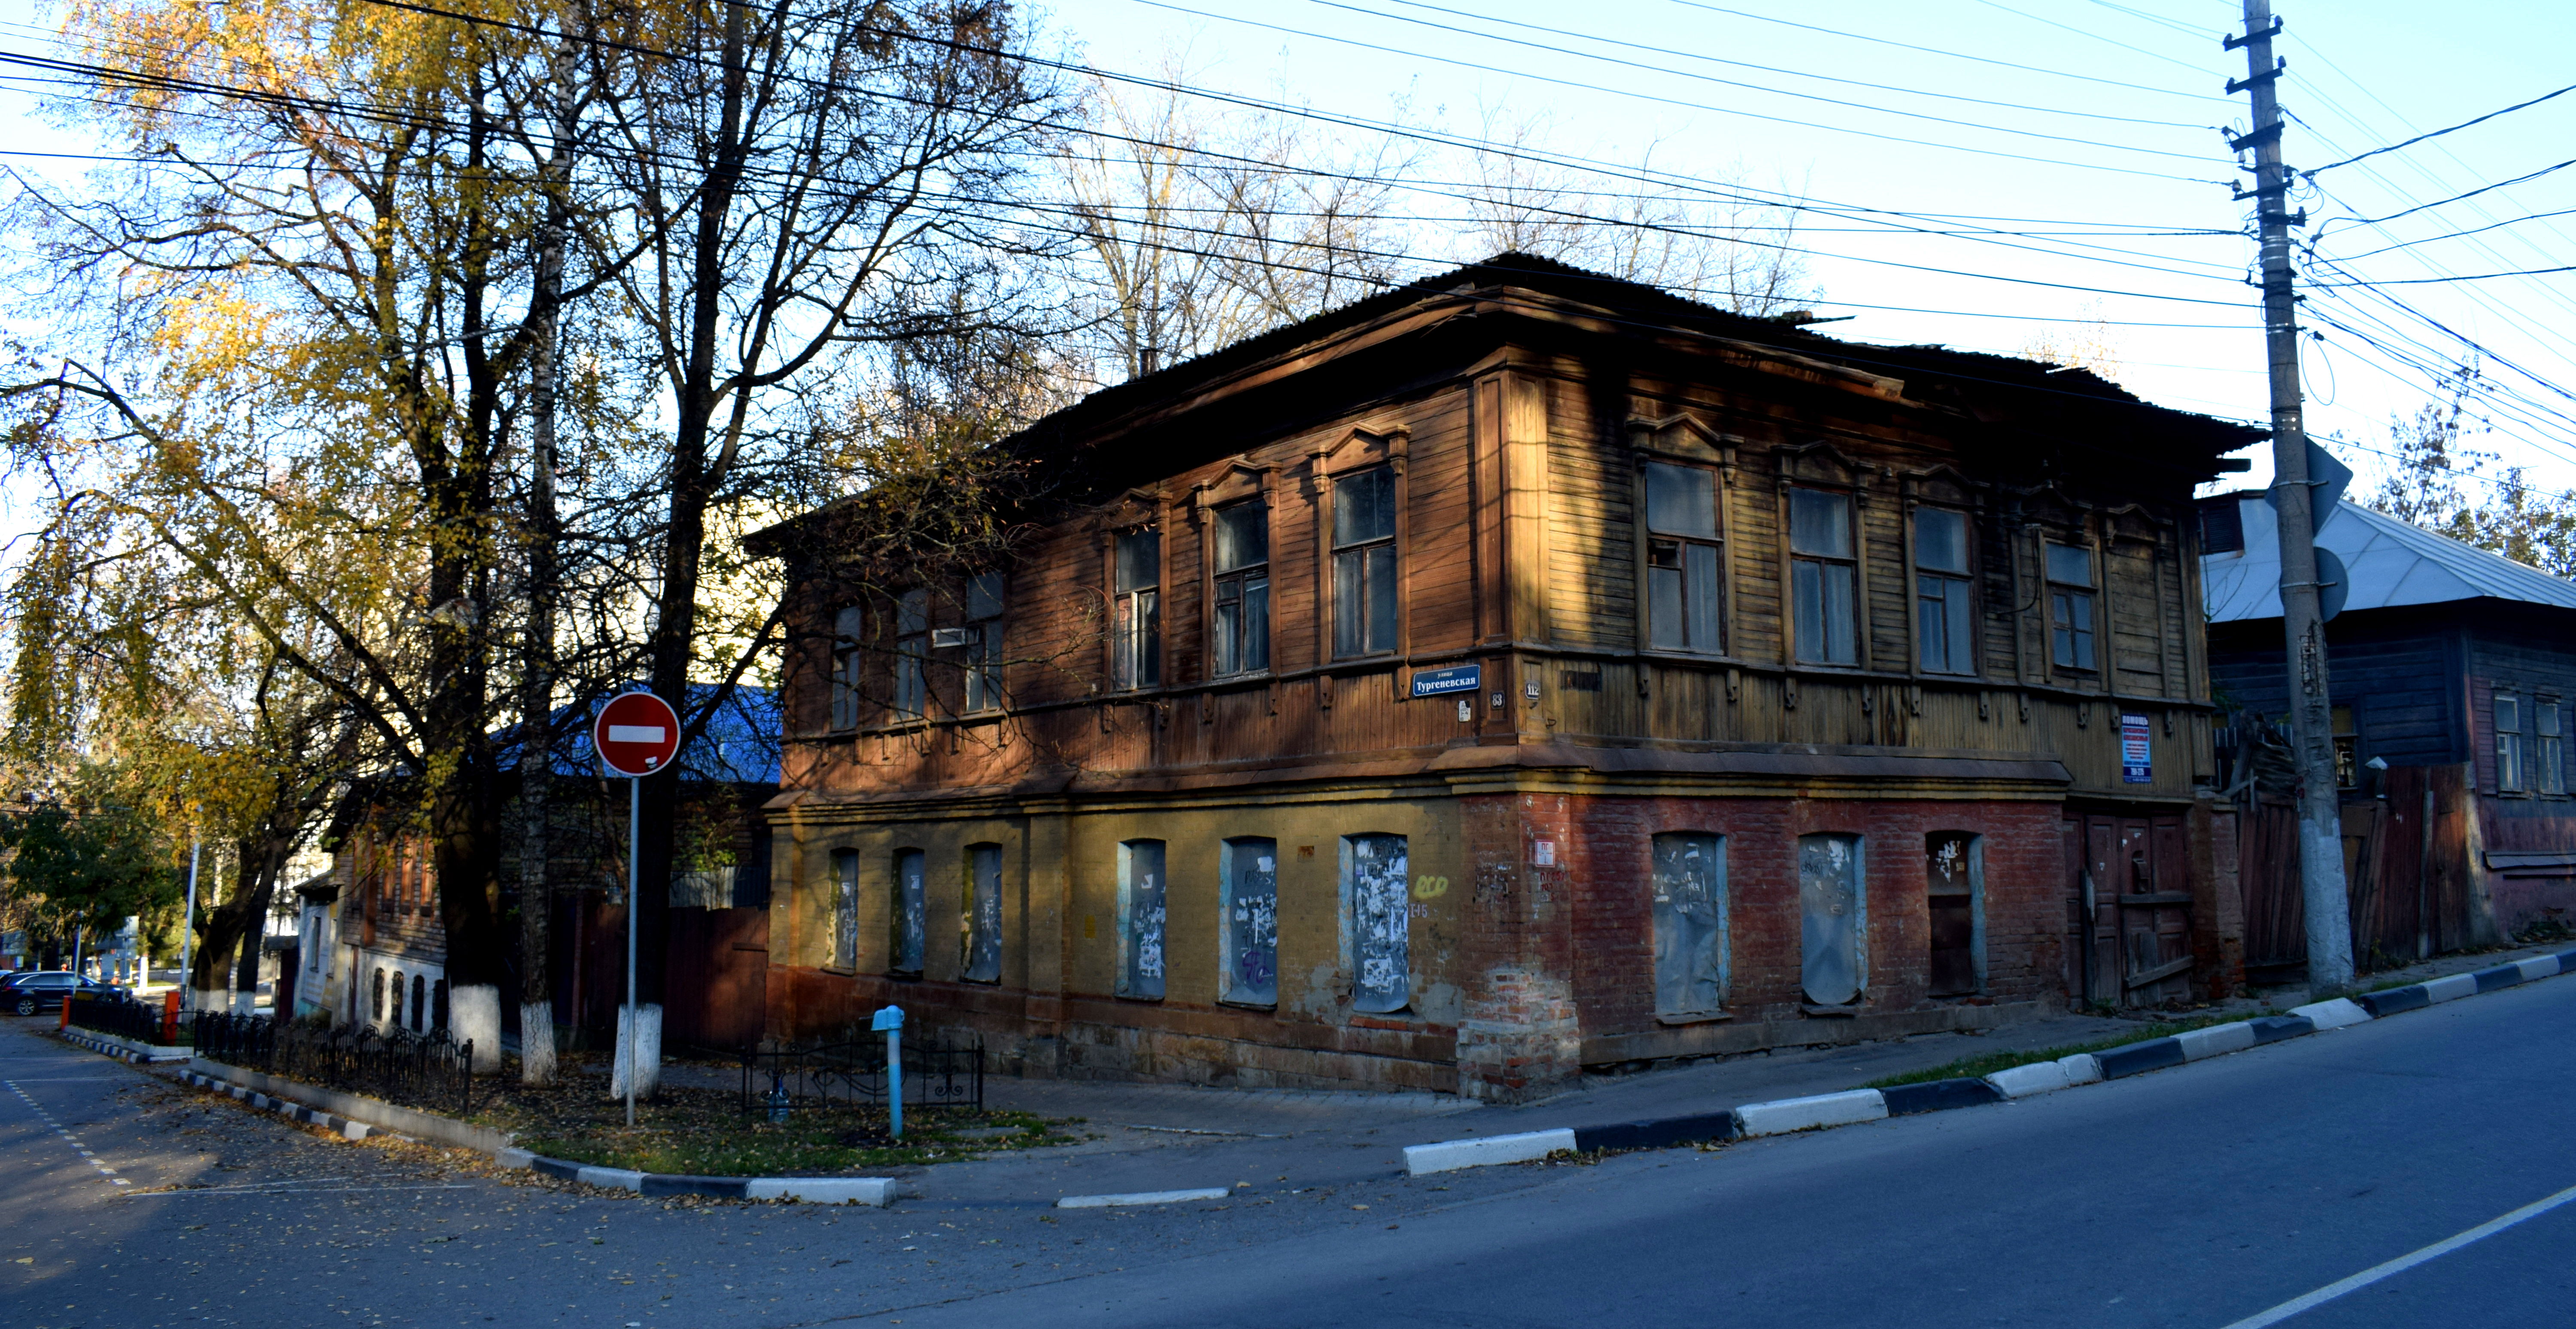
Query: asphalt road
x,y
2195,1197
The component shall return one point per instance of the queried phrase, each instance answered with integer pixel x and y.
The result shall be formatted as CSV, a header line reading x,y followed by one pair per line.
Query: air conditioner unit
x,y
944,638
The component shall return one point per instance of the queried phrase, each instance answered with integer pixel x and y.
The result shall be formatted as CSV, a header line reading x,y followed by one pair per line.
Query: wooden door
x,y
2138,942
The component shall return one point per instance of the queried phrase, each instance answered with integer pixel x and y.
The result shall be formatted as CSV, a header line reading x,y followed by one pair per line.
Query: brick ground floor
x,y
1489,938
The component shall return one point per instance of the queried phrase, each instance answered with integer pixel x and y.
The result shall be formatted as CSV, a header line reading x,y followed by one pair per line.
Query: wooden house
x,y
1518,671
2453,683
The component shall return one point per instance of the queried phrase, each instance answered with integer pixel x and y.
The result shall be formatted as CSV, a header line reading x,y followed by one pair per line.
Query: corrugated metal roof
x,y
2391,564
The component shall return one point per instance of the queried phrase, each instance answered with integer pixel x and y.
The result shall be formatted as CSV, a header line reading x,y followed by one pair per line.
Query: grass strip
x,y
1987,1063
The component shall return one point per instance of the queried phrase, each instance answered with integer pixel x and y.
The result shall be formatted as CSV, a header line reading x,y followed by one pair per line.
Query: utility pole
x,y
2302,624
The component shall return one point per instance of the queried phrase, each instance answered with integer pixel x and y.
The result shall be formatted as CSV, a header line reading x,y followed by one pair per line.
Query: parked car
x,y
28,991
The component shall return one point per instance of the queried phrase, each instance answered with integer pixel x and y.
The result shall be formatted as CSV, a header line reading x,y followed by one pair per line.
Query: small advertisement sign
x,y
2136,765
1442,682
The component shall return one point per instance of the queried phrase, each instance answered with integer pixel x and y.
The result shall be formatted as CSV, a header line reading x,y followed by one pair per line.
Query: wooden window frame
x,y
1916,575
1217,581
2549,745
1136,661
2512,758
910,697
848,661
2091,590
1721,563
1791,557
1333,549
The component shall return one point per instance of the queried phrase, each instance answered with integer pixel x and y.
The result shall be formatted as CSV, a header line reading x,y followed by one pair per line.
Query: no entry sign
x,y
636,734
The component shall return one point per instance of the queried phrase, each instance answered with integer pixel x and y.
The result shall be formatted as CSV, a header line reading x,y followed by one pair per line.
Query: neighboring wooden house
x,y
1518,671
378,909
2453,676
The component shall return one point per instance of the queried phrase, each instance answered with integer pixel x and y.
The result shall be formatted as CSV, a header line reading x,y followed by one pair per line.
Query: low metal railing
x,y
117,1014
828,1076
426,1070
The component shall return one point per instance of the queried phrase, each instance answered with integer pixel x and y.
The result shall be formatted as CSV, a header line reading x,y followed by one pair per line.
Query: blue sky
x,y
2097,121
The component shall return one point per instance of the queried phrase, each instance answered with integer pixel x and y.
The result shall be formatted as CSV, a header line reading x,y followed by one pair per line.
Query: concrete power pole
x,y
2302,624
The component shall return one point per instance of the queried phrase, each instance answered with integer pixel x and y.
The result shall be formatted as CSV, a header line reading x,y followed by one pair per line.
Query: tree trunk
x,y
537,693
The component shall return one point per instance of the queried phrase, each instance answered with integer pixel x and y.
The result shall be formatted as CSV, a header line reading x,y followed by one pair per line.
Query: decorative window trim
x,y
1362,448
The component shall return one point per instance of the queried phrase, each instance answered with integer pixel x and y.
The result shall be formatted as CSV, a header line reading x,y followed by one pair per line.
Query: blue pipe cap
x,y
889,1018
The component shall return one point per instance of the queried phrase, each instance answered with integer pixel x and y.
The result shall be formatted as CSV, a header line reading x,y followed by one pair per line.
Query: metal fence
x,y
426,1070
853,1075
117,1014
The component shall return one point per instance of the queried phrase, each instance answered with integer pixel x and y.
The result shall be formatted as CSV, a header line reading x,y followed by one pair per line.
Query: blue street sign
x,y
1441,682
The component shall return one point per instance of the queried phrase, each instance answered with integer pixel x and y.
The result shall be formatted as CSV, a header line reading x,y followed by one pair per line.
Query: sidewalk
x,y
1153,1137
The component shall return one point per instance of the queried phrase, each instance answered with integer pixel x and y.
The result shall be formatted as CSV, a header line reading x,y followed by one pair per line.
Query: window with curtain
x,y
2511,775
1682,559
2070,606
911,912
1945,618
911,655
1242,537
1140,919
979,924
1137,617
1249,903
1824,574
1364,562
984,642
846,663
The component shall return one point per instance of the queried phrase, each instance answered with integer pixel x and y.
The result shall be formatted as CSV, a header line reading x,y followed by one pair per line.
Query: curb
x,y
1855,1106
877,1192
1143,1197
108,1045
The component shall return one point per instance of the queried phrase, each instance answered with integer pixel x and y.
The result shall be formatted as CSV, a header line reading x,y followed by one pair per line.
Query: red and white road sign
x,y
636,734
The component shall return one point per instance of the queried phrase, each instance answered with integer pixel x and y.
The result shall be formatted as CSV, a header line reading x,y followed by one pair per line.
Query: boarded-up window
x,y
911,911
1944,616
1140,919
979,924
1242,571
1251,909
1823,576
1375,915
1954,885
1682,558
1832,918
1690,926
845,908
1364,563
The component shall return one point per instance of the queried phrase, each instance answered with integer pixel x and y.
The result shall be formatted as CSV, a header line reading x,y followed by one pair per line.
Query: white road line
x,y
2405,1262
77,1147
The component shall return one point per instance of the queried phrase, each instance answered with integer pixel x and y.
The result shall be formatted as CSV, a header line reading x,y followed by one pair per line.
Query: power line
x,y
2311,173
2465,276
1955,55
1715,60
2454,235
2080,32
1728,110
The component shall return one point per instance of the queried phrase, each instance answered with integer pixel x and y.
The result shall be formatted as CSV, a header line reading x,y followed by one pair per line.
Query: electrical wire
x,y
2313,171
1955,55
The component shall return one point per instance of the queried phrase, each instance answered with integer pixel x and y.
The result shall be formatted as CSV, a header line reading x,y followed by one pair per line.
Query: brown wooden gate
x,y
718,995
2138,945
2406,872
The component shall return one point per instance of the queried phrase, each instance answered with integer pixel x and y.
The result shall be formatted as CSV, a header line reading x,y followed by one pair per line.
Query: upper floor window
x,y
1364,562
984,642
1242,570
1823,576
1137,628
2550,755
2511,777
1945,619
2347,749
911,654
2070,606
846,662
1681,558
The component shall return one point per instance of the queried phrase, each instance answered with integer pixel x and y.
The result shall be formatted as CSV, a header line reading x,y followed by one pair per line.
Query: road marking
x,y
77,1146
2405,1262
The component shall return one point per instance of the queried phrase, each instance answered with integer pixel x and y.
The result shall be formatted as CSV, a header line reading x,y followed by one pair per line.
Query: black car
x,y
28,991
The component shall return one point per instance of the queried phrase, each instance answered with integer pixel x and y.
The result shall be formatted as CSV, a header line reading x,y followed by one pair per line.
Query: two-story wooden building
x,y
1512,672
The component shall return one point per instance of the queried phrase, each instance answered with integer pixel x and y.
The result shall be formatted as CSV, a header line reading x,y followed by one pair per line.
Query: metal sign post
x,y
188,923
635,735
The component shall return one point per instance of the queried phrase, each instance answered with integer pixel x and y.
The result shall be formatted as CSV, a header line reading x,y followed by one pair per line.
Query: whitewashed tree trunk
x,y
536,1042
475,1013
648,1053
